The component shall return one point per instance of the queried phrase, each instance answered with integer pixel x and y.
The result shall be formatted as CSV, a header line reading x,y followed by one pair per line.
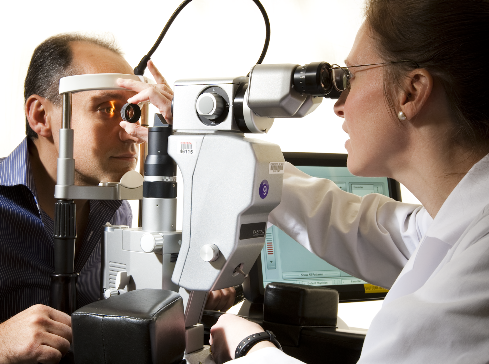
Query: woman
x,y
416,110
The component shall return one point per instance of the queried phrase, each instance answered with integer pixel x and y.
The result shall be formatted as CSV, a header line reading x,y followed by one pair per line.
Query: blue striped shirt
x,y
26,240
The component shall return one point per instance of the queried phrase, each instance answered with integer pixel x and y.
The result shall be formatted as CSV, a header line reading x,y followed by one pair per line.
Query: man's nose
x,y
340,104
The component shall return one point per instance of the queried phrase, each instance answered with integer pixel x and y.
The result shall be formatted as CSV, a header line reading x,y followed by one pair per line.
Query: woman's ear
x,y
36,112
416,89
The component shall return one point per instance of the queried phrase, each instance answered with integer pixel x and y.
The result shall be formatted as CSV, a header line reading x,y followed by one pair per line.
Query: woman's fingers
x,y
137,131
160,95
156,74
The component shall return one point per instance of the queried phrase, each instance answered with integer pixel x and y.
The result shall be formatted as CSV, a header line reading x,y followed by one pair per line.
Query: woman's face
x,y
377,139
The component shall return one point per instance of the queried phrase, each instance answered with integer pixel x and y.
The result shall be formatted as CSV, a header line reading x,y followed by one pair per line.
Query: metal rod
x,y
66,110
143,152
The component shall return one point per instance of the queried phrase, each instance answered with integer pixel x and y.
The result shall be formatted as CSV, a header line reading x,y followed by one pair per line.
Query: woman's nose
x,y
339,105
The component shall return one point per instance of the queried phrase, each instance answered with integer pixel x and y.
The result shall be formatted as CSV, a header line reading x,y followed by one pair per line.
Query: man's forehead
x,y
93,58
109,94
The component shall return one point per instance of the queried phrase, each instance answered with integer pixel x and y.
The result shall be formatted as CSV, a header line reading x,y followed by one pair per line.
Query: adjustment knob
x,y
210,105
151,242
209,253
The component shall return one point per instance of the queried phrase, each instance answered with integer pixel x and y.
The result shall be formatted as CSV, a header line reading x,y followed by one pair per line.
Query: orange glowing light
x,y
112,109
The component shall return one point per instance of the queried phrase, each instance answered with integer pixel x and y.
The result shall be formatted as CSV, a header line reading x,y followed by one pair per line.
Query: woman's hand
x,y
221,299
226,334
160,95
135,130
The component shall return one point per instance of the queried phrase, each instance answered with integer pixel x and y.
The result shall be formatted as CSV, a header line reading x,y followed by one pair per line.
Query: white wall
x,y
209,38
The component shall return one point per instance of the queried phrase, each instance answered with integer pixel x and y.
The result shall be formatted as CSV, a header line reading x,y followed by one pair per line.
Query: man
x,y
31,332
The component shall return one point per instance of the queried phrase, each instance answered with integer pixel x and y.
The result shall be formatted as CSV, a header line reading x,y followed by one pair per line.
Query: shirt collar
x,y
16,168
467,199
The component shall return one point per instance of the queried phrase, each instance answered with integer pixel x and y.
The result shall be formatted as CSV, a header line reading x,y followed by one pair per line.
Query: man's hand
x,y
226,334
221,300
39,334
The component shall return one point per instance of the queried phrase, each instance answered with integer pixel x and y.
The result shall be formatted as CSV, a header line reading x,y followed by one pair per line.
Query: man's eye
x,y
108,110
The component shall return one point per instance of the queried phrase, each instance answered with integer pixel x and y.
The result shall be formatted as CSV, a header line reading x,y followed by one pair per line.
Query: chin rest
x,y
145,326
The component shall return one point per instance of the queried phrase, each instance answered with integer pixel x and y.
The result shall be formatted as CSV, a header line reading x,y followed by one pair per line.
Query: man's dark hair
x,y
52,60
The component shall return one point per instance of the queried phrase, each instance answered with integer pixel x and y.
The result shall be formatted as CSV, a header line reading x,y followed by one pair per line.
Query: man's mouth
x,y
126,156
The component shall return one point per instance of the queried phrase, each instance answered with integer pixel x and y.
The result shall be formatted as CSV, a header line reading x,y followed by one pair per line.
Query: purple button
x,y
264,188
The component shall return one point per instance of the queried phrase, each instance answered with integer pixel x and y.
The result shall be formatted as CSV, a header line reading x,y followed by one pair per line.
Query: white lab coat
x,y
437,310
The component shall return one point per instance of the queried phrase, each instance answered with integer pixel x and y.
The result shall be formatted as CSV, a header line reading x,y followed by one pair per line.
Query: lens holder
x,y
131,113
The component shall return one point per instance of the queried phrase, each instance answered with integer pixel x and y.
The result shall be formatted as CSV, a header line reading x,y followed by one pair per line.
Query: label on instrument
x,y
254,230
263,189
276,168
370,288
186,148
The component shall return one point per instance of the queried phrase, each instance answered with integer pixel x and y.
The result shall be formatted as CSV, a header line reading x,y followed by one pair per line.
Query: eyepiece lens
x,y
340,78
130,113
313,79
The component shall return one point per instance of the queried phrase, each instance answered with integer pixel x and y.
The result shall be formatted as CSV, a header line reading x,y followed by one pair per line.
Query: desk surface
x,y
200,357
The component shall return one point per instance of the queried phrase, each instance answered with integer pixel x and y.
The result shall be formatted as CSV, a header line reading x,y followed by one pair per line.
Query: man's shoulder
x,y
14,167
124,214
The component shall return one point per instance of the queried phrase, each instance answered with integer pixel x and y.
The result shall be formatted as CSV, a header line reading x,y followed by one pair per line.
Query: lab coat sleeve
x,y
370,237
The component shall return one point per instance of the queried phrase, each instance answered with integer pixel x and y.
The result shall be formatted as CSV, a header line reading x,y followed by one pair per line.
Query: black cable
x,y
267,29
139,70
141,67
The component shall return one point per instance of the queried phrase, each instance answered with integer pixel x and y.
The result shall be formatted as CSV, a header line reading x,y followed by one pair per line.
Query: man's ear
x,y
37,113
417,88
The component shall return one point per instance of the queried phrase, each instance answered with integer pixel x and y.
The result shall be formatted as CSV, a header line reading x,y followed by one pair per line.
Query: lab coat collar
x,y
457,212
462,205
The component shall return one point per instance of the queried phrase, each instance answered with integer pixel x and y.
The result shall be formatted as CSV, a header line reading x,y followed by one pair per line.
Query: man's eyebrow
x,y
109,95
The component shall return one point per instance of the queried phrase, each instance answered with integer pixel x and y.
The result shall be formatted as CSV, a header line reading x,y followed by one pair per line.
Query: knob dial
x,y
151,242
209,253
210,105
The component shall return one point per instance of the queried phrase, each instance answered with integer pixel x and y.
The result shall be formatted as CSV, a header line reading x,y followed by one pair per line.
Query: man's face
x,y
103,151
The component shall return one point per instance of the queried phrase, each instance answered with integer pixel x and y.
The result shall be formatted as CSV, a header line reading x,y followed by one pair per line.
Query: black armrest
x,y
144,326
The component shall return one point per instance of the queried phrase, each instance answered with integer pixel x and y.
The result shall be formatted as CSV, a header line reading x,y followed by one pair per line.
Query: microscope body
x,y
126,266
231,184
145,257
229,190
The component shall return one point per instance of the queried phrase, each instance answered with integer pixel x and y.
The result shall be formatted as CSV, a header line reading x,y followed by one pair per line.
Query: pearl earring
x,y
401,116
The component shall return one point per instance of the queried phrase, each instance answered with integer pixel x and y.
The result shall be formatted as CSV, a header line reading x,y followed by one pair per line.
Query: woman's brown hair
x,y
448,38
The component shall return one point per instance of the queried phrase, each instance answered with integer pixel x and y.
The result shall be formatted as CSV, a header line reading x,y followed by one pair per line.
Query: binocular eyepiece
x,y
315,79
